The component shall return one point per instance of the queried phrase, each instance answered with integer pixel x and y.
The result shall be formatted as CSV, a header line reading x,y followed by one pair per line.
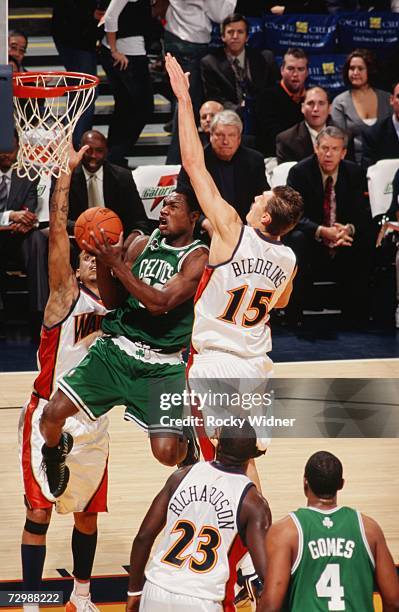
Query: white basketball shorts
x,y
218,377
157,599
87,462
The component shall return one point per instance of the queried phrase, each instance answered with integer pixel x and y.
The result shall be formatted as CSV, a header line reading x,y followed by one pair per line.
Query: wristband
x,y
134,593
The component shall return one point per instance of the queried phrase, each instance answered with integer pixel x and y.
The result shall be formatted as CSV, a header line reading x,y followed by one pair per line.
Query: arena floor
x,y
371,470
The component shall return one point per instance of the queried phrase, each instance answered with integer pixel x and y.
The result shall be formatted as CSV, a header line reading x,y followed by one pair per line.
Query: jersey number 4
x,y
207,548
329,585
259,305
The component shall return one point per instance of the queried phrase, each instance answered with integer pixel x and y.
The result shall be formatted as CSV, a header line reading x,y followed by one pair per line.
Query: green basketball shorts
x,y
140,379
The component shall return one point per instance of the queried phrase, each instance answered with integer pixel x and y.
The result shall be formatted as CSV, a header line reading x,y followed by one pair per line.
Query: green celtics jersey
x,y
169,332
334,569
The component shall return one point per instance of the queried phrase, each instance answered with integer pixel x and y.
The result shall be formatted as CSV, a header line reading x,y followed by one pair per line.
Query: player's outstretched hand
x,y
109,254
179,80
75,157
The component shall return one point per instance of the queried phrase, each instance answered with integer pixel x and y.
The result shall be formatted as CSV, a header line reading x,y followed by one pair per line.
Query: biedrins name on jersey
x,y
263,267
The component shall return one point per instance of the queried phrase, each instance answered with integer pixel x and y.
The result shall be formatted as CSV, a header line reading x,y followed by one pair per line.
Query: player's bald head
x,y
237,445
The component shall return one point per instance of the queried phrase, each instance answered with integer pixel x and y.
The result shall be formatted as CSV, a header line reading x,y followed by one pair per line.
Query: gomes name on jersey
x,y
331,547
263,267
208,495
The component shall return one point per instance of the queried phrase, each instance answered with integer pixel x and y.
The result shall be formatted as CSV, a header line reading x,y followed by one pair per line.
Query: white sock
x,y
82,589
246,565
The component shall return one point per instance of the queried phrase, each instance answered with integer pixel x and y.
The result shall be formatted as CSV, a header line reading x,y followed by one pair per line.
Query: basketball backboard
x,y
6,102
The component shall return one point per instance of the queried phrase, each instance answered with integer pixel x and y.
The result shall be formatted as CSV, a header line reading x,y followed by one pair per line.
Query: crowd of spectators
x,y
248,108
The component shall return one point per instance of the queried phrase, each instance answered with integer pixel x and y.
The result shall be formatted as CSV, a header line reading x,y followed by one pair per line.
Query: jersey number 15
x,y
258,304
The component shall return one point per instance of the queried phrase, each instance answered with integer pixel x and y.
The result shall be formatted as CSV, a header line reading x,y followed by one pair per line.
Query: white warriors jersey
x,y
201,546
62,346
234,299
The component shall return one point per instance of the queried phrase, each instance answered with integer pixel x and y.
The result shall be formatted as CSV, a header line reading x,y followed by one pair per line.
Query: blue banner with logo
x,y
312,33
378,31
326,71
256,34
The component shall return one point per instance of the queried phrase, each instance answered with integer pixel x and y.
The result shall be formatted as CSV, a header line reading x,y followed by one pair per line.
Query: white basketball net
x,y
45,125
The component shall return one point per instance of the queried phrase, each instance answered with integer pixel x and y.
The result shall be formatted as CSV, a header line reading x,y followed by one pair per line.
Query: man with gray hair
x,y
335,230
239,172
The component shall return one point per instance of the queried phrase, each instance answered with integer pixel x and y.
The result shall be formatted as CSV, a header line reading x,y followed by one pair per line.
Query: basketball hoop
x,y
47,106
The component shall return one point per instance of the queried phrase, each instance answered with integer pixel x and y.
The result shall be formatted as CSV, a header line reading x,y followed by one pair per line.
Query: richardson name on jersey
x,y
263,267
331,547
208,495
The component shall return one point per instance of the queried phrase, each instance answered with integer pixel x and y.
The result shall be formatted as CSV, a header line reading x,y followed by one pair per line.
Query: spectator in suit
x,y
298,142
382,140
239,172
279,108
236,75
187,36
335,230
362,105
206,113
21,236
96,182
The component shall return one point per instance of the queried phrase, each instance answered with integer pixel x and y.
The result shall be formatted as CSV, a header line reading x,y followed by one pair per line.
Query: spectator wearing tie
x,y
96,182
334,233
236,75
187,36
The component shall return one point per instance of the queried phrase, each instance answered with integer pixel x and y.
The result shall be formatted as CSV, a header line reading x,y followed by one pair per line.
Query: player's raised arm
x,y
62,280
221,215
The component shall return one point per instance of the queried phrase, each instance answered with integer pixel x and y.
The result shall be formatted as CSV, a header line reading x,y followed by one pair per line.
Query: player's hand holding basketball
x,y
179,80
109,254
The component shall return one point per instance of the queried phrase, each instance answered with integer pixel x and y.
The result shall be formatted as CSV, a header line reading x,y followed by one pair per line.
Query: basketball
x,y
94,220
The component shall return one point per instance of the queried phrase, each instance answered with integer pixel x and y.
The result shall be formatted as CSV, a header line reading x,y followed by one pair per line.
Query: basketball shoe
x,y
79,603
250,589
54,464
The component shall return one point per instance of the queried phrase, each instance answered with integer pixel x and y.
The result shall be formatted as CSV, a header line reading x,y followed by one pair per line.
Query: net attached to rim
x,y
47,107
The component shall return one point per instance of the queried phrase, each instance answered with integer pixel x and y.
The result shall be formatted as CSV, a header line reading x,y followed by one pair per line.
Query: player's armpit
x,y
60,301
284,298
